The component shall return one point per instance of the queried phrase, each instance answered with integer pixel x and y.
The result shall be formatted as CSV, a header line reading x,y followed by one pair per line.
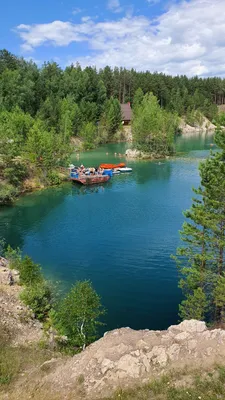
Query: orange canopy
x,y
112,166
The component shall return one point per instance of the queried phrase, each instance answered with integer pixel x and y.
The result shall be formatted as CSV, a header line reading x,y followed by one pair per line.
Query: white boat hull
x,y
125,169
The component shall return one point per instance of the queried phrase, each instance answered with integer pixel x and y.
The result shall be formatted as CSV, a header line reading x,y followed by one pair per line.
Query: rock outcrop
x,y
134,154
206,126
125,357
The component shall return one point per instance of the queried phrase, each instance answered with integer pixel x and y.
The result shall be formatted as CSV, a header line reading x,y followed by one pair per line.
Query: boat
x,y
116,172
125,169
112,166
88,179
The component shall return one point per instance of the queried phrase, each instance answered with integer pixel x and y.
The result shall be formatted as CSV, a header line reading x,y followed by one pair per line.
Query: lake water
x,y
119,235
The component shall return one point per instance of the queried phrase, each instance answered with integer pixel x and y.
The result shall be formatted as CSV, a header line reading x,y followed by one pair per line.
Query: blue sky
x,y
174,37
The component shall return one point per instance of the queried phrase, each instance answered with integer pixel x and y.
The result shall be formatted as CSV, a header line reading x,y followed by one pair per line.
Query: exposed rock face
x,y
207,126
124,357
127,133
134,153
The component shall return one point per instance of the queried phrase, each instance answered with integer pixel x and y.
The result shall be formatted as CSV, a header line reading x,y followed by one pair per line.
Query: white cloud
x,y
114,6
85,19
76,11
189,38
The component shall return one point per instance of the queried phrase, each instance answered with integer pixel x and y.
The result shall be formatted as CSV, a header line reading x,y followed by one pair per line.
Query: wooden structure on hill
x,y
126,112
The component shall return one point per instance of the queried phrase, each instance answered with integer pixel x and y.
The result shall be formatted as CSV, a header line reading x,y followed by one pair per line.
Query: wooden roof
x,y
126,112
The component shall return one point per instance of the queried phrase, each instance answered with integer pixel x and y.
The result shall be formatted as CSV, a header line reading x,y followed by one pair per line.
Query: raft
x,y
89,179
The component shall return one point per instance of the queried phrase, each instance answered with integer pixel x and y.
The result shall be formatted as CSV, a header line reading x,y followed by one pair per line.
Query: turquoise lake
x,y
119,235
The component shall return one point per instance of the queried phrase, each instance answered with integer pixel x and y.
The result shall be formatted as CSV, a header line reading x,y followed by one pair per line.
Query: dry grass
x,y
198,386
17,360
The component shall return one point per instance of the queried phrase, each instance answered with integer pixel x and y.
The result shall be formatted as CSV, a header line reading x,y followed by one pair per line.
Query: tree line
x,y
39,90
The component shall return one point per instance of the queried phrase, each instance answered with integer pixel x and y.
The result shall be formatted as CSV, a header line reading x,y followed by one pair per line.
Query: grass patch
x,y
17,360
210,386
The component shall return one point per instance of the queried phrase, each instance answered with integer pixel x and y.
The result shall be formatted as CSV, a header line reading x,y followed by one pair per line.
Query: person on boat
x,y
82,169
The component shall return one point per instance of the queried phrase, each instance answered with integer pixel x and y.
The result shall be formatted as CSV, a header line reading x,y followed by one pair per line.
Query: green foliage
x,y
7,193
201,260
138,98
45,149
53,178
14,256
16,172
153,128
113,116
195,306
194,118
220,119
30,273
39,297
77,315
89,133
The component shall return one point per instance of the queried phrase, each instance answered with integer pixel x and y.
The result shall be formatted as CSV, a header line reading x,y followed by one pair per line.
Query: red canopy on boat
x,y
112,166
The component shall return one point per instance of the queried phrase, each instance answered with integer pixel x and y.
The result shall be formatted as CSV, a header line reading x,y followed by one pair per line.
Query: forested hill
x,y
40,90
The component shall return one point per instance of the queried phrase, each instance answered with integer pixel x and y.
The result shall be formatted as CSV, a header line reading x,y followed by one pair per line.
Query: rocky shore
x,y
16,321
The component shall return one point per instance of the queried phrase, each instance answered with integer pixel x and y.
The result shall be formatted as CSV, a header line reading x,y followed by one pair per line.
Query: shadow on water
x,y
28,213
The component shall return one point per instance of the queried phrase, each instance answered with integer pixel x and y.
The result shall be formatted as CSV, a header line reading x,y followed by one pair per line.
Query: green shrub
x,y
89,134
78,314
54,178
16,173
39,298
30,273
14,257
7,193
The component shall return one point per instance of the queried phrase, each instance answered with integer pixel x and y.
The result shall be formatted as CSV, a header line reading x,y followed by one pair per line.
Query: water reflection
x,y
80,190
193,141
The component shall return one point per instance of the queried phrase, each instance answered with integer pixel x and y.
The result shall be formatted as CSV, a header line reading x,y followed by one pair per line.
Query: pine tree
x,y
201,261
